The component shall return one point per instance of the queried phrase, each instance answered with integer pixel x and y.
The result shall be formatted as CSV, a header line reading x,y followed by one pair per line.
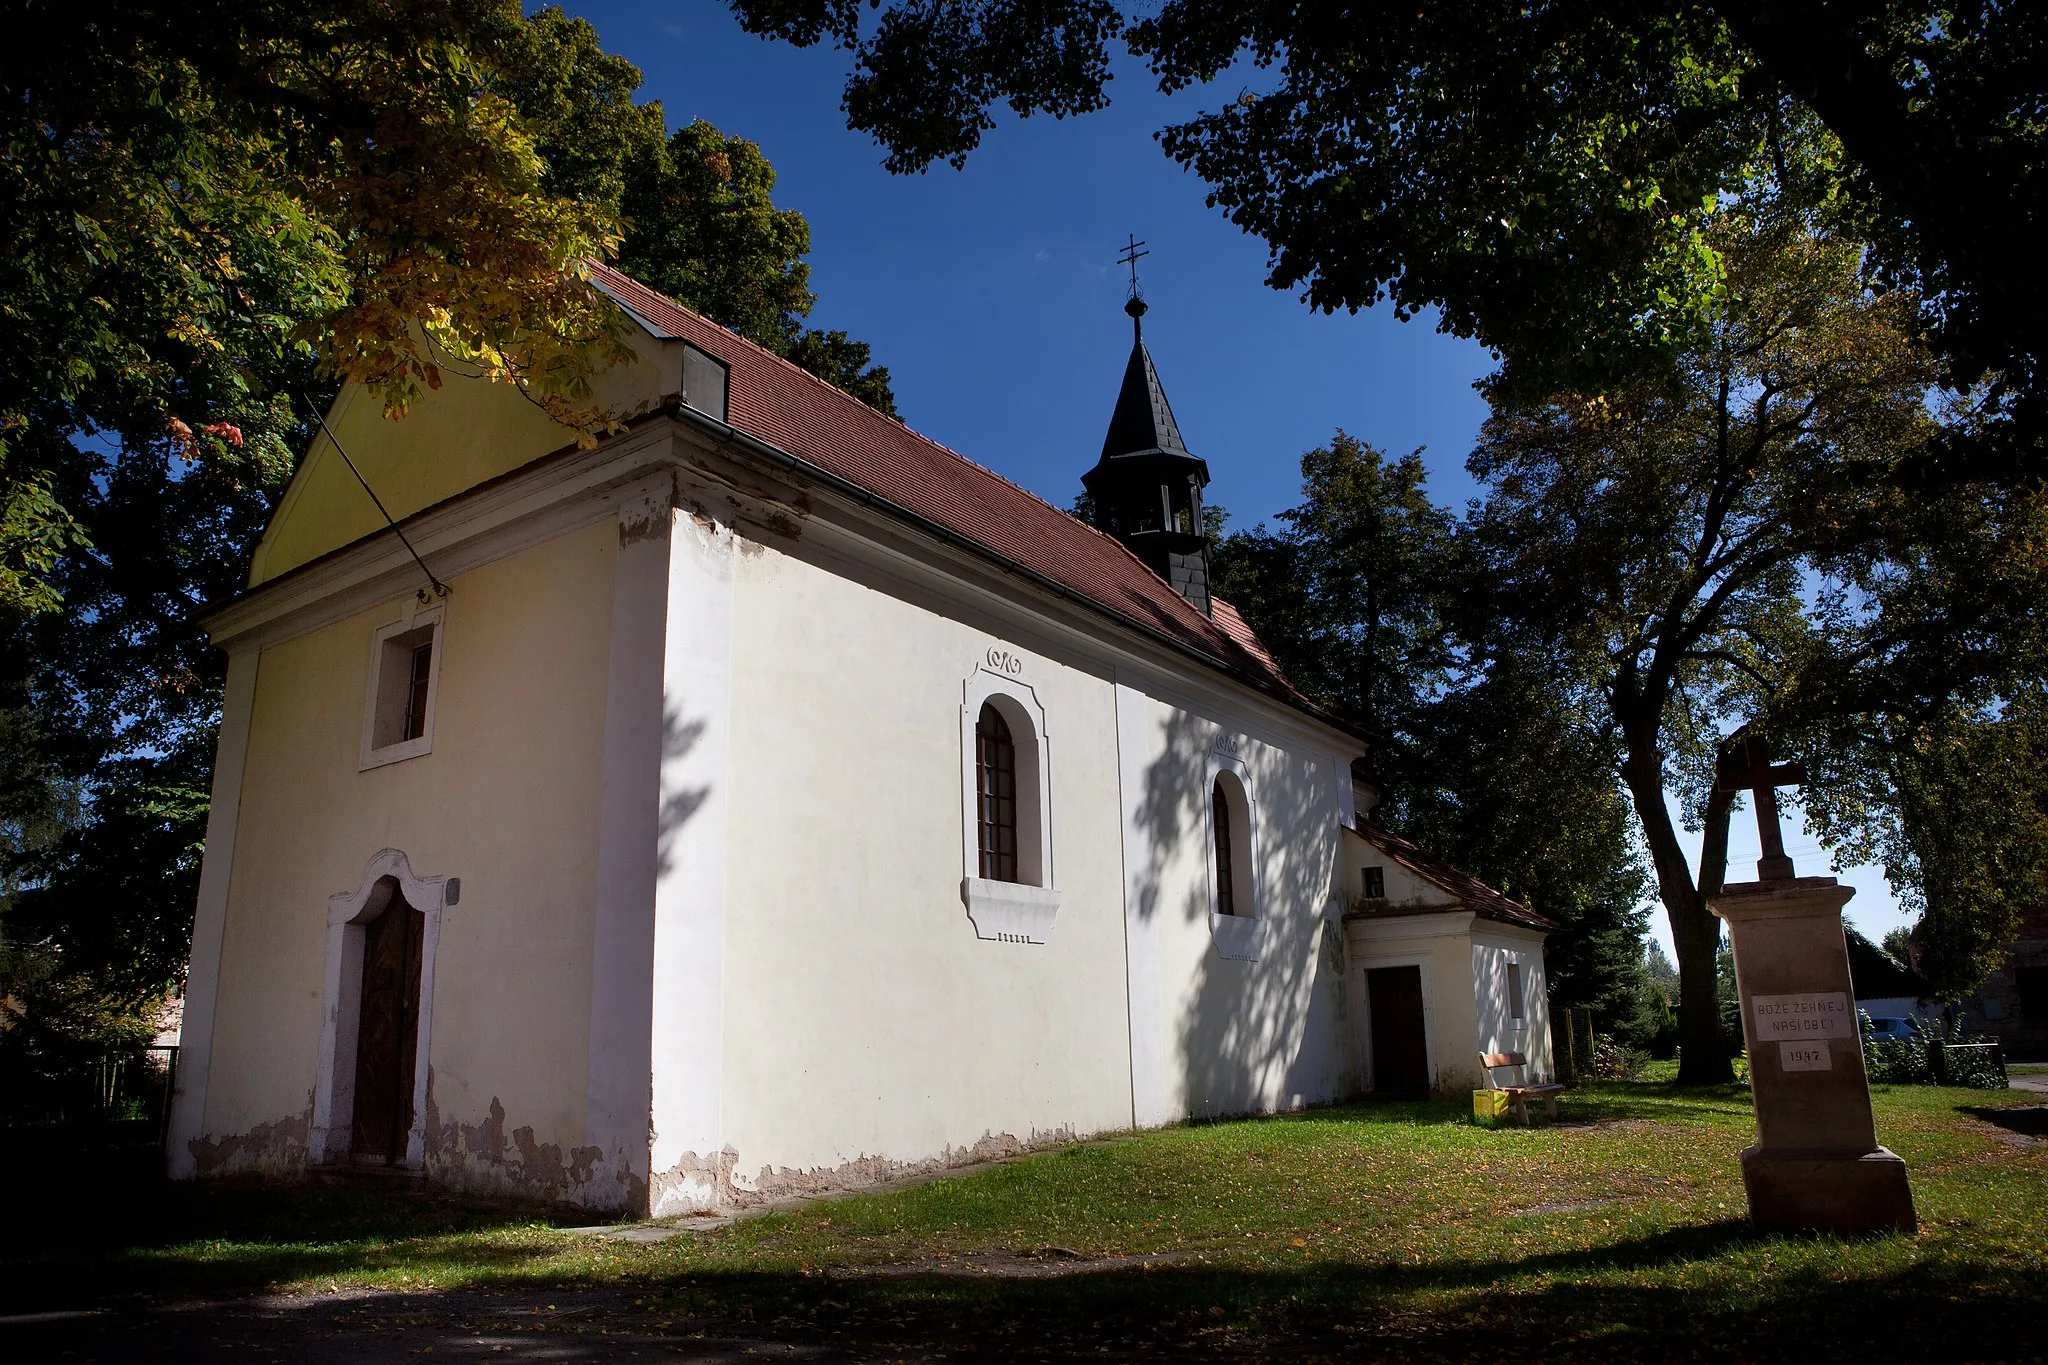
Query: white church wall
x,y
1440,946
1226,1017
1494,948
506,801
869,1029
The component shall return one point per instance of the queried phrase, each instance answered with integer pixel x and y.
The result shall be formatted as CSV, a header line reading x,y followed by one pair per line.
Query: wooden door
x,y
388,1034
1400,1058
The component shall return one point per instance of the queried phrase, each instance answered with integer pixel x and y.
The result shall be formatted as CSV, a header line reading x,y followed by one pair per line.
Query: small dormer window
x,y
1375,883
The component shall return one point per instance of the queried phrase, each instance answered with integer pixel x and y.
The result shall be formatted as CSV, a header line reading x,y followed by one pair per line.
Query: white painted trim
x,y
412,617
687,1015
1240,937
209,919
1003,911
618,1095
563,492
551,497
1152,1100
1010,912
341,1003
1360,966
1428,924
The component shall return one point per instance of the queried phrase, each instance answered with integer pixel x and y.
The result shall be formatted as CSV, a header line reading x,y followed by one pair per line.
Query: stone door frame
x,y
341,1003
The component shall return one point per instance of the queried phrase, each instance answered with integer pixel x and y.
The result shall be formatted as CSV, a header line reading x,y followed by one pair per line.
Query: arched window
x,y
1226,877
1235,916
995,774
1006,859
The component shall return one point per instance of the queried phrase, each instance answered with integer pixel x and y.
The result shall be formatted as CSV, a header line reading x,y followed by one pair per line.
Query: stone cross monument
x,y
1816,1163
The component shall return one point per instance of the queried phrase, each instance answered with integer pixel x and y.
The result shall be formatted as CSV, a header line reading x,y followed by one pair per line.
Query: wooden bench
x,y
1518,1094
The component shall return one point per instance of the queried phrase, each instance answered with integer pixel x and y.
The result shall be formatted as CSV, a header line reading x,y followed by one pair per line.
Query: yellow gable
x,y
466,432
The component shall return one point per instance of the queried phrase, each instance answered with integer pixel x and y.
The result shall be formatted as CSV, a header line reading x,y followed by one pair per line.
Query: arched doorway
x,y
387,1034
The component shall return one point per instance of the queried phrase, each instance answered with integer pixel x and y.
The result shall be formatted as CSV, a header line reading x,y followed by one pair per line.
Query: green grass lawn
x,y
1622,1230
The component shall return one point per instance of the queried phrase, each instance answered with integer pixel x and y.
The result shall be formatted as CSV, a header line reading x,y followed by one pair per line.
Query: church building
x,y
770,799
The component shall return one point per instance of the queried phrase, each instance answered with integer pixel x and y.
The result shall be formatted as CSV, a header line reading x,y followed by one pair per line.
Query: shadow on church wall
x,y
679,738
1252,1035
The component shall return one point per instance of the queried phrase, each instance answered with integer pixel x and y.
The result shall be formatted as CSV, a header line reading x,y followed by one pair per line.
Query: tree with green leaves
x,y
1355,596
703,229
1654,542
216,213
1349,591
1544,175
1953,803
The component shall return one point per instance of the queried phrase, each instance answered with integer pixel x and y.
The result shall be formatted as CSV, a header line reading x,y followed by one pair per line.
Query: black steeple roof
x,y
1143,421
1146,490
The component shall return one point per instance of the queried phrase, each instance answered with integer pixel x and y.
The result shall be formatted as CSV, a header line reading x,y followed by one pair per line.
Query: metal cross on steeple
x,y
1133,249
1750,766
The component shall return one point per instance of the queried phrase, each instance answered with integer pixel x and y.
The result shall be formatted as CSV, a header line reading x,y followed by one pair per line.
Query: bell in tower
x,y
1146,489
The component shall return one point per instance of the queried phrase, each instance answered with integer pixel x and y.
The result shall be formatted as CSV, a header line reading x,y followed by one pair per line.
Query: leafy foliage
x,y
1545,175
704,231
1349,592
1651,542
1355,595
215,213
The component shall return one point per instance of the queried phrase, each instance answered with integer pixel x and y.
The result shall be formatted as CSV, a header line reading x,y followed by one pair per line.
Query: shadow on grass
x,y
1618,1302
1716,1290
2027,1120
104,1236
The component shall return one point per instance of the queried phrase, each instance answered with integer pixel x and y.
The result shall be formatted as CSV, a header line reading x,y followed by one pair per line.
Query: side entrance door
x,y
388,1034
1400,1059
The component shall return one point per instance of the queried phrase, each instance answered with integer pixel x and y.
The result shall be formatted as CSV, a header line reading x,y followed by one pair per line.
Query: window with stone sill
x,y
405,671
1006,815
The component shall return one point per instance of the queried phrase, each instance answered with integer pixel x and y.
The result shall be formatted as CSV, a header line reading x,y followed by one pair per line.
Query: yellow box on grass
x,y
1489,1107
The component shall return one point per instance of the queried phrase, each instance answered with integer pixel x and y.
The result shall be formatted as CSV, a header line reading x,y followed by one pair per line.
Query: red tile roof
x,y
1471,893
774,401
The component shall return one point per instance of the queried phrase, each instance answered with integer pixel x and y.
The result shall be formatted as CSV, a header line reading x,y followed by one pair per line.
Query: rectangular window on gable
x,y
1375,883
398,720
1516,1012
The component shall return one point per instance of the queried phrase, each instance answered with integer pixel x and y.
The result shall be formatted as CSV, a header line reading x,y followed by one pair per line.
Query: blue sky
x,y
994,297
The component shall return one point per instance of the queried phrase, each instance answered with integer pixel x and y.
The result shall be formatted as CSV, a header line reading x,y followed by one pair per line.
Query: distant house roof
x,y
1467,890
1877,976
799,414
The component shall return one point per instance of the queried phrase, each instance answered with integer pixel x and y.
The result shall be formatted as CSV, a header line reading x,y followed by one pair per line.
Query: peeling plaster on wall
x,y
650,518
773,1184
483,1158
695,1184
276,1149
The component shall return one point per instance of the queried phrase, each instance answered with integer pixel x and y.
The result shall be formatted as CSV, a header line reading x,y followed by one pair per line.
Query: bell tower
x,y
1146,489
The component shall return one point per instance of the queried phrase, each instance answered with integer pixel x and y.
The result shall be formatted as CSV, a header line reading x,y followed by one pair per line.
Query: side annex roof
x,y
1471,893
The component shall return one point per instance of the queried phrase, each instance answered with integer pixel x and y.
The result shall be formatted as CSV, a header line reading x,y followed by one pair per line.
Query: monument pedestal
x,y
1816,1163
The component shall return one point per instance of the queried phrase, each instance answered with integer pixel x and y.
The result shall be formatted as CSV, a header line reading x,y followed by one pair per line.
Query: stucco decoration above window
x,y
1240,934
1018,908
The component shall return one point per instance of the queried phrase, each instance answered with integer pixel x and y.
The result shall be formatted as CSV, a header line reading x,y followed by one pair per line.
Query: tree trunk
x,y
1695,933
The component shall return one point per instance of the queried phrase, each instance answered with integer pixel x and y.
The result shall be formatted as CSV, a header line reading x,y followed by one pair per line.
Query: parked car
x,y
1894,1030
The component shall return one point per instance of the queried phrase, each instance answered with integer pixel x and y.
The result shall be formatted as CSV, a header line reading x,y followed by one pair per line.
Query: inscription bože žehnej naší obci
x,y
1801,1024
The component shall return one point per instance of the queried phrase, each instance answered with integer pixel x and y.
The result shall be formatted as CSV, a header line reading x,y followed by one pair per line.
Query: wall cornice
x,y
794,509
